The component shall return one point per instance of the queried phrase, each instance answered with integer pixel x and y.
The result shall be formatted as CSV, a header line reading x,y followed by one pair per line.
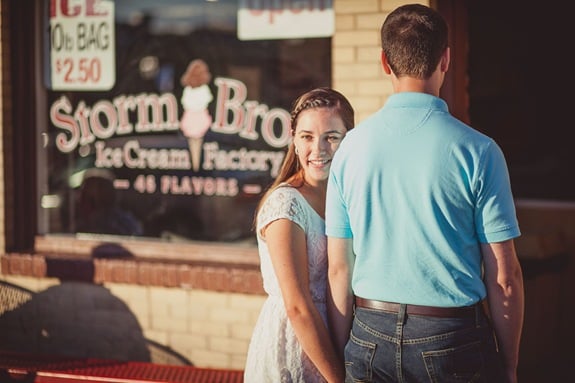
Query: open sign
x,y
287,19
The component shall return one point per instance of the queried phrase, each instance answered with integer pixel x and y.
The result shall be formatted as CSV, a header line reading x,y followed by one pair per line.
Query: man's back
x,y
423,176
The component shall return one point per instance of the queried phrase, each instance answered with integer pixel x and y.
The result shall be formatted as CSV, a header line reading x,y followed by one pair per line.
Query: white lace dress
x,y
274,354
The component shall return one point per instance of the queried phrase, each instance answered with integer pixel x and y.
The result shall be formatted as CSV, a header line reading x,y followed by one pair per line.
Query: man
x,y
424,278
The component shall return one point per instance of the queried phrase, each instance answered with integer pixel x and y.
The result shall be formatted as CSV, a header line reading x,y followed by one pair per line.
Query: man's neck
x,y
410,84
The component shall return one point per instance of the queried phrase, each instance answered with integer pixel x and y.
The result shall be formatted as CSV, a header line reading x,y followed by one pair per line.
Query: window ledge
x,y
107,259
104,246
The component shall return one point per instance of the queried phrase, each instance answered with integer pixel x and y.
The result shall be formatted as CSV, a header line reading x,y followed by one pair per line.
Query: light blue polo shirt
x,y
418,190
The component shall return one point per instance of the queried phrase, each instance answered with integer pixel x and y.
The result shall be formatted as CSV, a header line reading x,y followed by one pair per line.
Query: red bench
x,y
25,368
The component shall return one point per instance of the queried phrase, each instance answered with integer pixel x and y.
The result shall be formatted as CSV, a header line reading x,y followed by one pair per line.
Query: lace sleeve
x,y
284,202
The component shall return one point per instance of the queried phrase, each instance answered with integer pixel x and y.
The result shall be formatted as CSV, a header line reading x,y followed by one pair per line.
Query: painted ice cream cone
x,y
195,145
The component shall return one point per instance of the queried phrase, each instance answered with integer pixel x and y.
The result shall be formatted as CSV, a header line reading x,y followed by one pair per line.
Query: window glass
x,y
191,130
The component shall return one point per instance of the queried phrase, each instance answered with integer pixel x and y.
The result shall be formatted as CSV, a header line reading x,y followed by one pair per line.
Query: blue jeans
x,y
396,347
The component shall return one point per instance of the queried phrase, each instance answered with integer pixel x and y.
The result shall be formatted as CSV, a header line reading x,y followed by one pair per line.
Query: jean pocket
x,y
456,364
358,360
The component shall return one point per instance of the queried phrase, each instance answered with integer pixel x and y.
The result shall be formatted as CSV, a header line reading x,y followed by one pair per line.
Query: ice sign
x,y
82,45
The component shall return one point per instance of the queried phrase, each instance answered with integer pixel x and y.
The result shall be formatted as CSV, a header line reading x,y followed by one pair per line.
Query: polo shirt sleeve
x,y
495,215
337,222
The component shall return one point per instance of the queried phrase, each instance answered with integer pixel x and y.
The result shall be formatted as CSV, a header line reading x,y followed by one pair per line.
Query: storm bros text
x,y
159,113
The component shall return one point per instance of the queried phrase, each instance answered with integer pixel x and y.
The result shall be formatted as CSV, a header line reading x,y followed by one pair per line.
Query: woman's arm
x,y
287,245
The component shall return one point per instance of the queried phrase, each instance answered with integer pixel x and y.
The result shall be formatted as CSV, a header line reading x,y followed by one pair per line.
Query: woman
x,y
291,342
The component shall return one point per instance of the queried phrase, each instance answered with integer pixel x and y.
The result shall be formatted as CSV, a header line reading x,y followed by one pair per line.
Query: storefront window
x,y
162,120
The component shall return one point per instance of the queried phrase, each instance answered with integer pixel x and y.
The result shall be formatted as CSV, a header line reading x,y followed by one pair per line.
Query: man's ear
x,y
385,63
445,60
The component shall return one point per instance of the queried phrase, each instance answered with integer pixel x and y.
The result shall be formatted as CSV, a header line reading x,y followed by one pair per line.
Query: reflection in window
x,y
123,161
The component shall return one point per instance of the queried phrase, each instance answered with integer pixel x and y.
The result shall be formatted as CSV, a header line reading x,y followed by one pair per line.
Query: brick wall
x,y
211,329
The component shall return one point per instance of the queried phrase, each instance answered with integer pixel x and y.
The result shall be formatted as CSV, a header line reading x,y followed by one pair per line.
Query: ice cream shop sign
x,y
83,127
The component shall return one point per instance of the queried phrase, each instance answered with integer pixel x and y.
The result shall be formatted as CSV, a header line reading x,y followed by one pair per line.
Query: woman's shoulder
x,y
284,201
284,195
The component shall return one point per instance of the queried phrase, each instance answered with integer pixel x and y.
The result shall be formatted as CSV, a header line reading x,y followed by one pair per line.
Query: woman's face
x,y
317,136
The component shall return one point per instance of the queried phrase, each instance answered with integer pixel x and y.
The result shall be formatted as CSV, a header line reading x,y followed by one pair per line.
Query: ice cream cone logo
x,y
195,99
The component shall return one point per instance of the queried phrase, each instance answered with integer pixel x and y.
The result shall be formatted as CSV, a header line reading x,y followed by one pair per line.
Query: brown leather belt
x,y
442,312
